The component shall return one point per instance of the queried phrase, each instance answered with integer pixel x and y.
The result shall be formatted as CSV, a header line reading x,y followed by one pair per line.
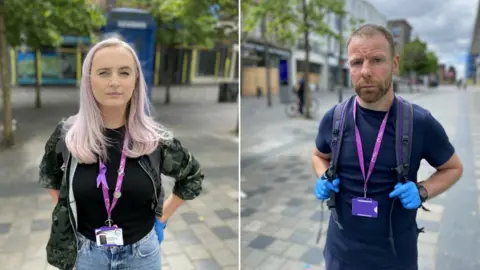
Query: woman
x,y
102,168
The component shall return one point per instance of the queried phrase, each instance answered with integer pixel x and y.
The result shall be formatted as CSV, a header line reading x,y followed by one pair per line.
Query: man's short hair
x,y
369,30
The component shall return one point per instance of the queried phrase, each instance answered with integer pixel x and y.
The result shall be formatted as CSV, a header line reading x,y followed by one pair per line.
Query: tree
x,y
432,63
291,19
414,58
184,23
6,91
40,24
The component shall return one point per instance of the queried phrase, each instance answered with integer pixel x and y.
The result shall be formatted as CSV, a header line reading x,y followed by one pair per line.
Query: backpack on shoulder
x,y
403,145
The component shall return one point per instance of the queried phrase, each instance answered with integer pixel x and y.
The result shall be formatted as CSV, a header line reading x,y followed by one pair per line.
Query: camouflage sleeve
x,y
179,163
50,166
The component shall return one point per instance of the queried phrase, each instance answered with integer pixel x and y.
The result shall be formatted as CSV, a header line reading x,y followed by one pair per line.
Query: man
x,y
387,239
301,95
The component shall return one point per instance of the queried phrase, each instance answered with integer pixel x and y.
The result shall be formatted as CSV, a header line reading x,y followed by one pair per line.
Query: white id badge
x,y
109,236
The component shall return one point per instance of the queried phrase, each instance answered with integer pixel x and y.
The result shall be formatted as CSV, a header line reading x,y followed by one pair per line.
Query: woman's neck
x,y
113,118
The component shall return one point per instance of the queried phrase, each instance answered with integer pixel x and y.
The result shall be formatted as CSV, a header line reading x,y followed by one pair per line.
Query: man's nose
x,y
366,70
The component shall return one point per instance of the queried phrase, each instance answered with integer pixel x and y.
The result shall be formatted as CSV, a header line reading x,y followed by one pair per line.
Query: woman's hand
x,y
159,227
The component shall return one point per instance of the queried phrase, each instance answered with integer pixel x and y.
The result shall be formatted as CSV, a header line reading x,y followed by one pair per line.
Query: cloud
x,y
446,25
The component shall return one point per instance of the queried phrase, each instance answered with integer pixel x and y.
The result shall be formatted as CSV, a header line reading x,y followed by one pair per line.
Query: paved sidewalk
x,y
280,216
203,234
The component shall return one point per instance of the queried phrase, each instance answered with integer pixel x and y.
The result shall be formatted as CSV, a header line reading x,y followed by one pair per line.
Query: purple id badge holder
x,y
364,207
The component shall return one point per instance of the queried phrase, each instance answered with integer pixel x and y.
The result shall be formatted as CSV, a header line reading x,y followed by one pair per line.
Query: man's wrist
x,y
422,192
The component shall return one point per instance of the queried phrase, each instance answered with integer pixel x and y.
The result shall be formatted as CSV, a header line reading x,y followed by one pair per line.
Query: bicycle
x,y
291,109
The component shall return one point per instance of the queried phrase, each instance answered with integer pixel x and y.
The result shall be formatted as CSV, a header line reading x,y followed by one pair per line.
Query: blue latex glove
x,y
159,227
323,187
408,194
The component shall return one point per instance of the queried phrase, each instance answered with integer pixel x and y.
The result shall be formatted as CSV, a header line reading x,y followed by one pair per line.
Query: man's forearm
x,y
320,165
441,180
170,206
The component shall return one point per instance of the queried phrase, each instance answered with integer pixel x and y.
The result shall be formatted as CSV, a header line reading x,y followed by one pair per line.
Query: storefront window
x,y
206,63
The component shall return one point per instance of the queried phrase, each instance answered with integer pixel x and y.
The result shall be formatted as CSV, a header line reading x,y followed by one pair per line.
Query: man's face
x,y
371,66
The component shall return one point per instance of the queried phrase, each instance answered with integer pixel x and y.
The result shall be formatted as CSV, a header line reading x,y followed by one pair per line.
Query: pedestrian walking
x,y
102,168
367,155
301,88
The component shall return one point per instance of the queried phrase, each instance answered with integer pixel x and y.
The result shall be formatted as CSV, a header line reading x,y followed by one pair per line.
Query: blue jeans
x,y
143,255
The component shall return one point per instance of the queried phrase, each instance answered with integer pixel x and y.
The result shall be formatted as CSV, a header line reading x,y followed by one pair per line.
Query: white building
x,y
324,51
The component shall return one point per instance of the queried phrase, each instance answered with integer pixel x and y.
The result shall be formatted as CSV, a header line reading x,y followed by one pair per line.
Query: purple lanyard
x,y
376,149
101,179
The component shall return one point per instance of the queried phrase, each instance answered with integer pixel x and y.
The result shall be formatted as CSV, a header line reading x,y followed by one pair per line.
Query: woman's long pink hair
x,y
85,131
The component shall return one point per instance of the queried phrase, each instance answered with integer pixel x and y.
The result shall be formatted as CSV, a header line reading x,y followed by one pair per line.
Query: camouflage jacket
x,y
58,167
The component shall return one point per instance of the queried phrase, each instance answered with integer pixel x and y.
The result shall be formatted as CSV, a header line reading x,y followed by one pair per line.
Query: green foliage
x,y
286,18
186,22
432,62
415,57
38,24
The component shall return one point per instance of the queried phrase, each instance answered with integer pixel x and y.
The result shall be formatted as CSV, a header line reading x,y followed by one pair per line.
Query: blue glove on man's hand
x,y
159,227
408,194
323,187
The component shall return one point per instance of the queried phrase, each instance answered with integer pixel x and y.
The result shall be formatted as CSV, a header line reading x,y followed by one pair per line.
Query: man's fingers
x,y
398,191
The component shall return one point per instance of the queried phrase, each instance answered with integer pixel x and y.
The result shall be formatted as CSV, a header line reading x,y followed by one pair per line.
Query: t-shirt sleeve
x,y
437,149
324,134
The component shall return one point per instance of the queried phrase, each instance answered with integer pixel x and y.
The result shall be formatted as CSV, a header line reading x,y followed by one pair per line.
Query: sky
x,y
446,25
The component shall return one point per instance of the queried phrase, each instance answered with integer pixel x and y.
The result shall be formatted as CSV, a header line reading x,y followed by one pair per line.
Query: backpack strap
x,y
337,136
403,138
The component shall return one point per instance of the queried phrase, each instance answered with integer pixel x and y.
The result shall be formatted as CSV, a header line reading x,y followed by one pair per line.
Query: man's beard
x,y
374,92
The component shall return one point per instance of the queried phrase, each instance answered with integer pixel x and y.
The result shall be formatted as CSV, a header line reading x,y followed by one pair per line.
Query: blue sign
x,y
136,27
283,69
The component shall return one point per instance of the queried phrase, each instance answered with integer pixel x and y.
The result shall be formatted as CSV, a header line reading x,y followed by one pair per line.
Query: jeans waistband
x,y
86,241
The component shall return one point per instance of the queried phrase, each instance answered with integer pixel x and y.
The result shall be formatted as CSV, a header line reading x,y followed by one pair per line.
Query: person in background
x,y
301,95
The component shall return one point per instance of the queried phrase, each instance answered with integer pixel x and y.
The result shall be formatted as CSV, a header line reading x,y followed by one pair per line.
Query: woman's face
x,y
113,76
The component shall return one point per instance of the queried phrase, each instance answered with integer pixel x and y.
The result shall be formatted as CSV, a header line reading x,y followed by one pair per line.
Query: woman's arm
x,y
179,163
50,175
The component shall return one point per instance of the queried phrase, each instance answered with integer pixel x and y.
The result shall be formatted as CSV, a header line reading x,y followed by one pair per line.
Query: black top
x,y
133,212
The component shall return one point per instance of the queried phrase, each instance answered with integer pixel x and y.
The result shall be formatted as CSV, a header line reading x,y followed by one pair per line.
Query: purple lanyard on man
x,y
102,179
365,206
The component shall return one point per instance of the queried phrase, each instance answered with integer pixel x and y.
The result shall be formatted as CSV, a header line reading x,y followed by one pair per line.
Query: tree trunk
x,y
8,138
38,103
267,63
169,74
306,87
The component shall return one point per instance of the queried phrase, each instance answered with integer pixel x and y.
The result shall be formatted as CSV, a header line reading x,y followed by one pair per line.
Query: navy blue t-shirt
x,y
364,242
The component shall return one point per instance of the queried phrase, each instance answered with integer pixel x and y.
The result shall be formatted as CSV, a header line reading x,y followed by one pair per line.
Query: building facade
x,y
472,66
254,57
401,31
324,52
190,64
